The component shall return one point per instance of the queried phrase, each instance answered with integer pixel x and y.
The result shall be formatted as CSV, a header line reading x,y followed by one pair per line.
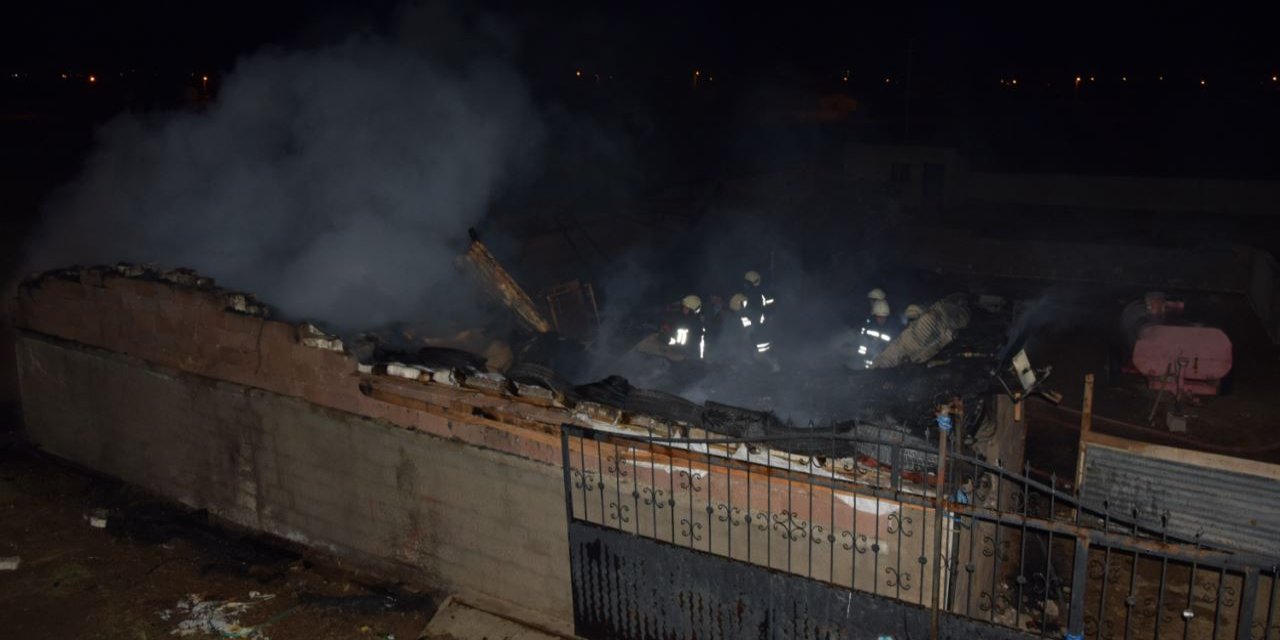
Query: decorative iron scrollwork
x,y
789,525
690,529
1228,596
989,549
815,533
1097,565
987,601
1261,631
619,512
758,519
690,480
732,516
653,497
584,480
898,522
613,467
898,579
858,544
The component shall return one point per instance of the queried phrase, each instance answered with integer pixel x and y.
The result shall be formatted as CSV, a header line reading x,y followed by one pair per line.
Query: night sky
x,y
1165,90
1041,41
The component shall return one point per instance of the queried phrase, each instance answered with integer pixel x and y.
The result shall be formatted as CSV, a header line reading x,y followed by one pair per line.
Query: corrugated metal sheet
x,y
1235,511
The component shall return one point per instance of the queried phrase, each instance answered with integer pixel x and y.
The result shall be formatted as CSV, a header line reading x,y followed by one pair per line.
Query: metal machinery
x,y
1176,356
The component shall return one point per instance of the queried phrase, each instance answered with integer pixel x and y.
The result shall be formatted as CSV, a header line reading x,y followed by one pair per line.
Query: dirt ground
x,y
155,571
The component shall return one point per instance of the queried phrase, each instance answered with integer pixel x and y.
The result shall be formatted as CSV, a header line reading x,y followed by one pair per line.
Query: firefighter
x,y
911,313
877,332
874,295
760,299
688,332
754,337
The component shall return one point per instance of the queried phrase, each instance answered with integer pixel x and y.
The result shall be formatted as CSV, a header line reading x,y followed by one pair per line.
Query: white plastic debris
x,y
10,563
364,368
197,616
98,518
403,371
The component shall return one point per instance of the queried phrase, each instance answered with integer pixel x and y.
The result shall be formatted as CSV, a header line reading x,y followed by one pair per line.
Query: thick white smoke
x,y
337,184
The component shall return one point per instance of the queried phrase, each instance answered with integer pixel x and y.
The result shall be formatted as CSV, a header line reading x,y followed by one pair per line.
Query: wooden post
x,y
1086,425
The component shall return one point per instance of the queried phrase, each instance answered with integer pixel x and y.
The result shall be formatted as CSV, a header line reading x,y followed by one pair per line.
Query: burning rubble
x,y
953,353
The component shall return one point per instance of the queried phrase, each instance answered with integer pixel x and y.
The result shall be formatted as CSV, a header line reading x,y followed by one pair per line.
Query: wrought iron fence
x,y
978,542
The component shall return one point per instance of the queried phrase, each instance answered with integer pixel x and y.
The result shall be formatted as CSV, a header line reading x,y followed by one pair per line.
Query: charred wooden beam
x,y
499,284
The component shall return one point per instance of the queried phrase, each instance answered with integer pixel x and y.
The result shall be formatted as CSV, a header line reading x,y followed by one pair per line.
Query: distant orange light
x,y
1162,78
1124,78
93,78
64,76
886,80
204,78
578,73
1015,81
1078,79
1202,83
697,73
1273,78
1091,78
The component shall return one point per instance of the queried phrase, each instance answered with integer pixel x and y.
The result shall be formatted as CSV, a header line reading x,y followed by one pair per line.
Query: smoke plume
x,y
336,183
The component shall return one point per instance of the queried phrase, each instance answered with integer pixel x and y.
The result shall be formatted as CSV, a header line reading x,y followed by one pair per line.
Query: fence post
x,y
1079,584
1248,600
940,505
575,577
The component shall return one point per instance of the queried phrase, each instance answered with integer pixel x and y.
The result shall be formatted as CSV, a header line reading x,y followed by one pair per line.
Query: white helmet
x,y
691,302
913,311
737,302
752,278
880,309
876,294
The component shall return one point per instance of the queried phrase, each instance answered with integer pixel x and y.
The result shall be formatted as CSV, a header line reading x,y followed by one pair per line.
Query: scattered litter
x,y
196,615
10,563
98,518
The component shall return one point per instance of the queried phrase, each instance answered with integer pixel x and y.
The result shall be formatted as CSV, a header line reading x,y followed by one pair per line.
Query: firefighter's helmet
x,y
691,302
738,302
876,294
880,309
913,311
752,278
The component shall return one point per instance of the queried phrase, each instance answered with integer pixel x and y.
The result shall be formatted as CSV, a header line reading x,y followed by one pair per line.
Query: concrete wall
x,y
1128,193
487,524
152,379
875,163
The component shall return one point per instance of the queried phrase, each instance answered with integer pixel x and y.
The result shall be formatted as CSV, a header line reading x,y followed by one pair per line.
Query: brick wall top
x,y
181,321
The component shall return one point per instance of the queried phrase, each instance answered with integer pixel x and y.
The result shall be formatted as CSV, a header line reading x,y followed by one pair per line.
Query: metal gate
x,y
723,538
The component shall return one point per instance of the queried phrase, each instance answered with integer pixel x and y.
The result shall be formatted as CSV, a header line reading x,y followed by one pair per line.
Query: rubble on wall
x,y
311,336
612,404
